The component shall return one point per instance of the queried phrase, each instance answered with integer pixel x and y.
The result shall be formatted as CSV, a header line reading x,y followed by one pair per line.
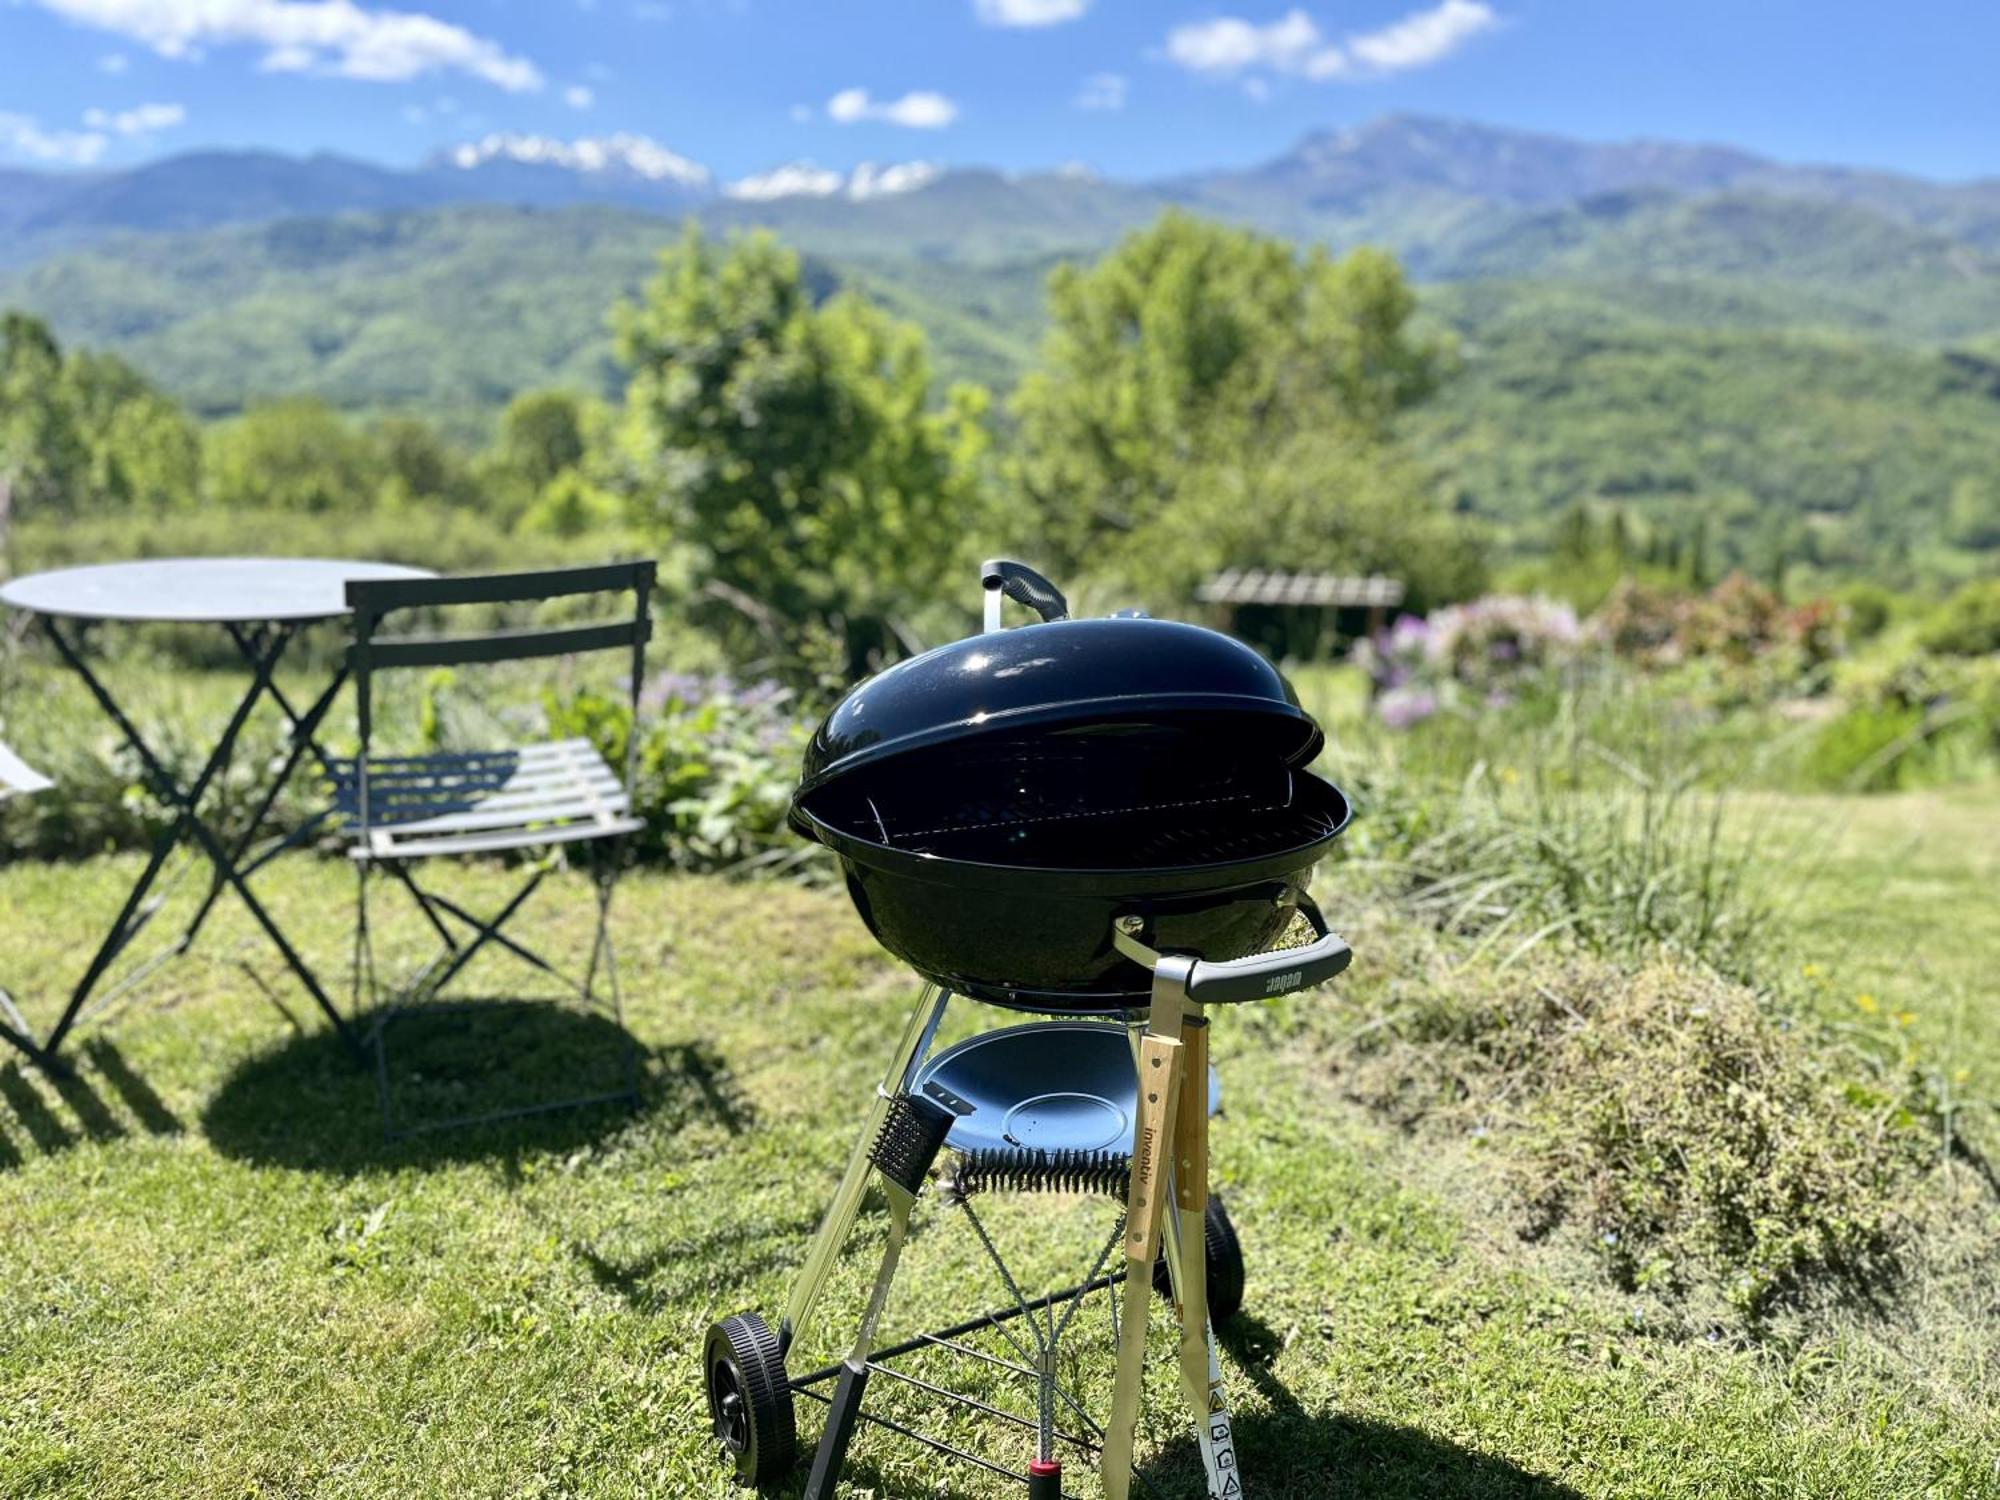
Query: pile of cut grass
x,y
1724,1162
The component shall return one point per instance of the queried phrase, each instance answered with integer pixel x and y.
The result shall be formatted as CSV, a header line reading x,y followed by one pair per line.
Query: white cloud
x,y
113,63
142,120
636,154
919,110
1294,46
1029,12
871,181
22,136
576,96
805,179
320,36
1291,44
799,179
1425,37
1103,91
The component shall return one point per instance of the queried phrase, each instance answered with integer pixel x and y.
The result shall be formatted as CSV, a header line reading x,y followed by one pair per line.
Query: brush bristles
x,y
912,1135
1022,1170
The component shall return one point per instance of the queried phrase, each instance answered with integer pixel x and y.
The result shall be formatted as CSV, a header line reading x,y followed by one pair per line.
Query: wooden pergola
x,y
1296,612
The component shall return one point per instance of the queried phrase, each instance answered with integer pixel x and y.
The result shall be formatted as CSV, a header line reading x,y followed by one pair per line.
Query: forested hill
x,y
1803,355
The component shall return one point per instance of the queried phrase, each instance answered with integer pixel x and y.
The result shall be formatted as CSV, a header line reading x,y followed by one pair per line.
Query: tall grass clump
x,y
1570,839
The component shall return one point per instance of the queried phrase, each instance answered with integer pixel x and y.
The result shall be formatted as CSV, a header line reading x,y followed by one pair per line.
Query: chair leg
x,y
456,954
364,996
607,883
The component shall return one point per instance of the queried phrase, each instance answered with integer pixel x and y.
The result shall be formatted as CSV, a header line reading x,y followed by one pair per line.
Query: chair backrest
x,y
373,600
17,777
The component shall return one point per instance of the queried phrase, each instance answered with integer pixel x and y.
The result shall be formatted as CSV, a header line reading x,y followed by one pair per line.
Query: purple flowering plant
x,y
1485,652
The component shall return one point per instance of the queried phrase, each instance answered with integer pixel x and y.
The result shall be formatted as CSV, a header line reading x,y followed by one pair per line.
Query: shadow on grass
x,y
22,1097
1284,1450
308,1103
714,1264
1287,1450
147,1107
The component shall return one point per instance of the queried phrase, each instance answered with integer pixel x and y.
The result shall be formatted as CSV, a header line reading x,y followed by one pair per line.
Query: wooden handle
x,y
1160,1083
1191,1126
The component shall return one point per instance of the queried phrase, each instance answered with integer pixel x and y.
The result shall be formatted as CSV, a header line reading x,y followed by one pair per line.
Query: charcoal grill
x,y
998,803
1107,822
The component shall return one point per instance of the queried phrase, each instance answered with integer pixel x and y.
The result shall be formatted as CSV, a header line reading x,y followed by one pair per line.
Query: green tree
x,y
296,455
792,447
417,466
542,435
139,448
1180,363
42,454
1972,513
1322,502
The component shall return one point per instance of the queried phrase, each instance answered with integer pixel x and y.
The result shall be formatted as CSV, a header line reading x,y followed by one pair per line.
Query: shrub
x,y
716,766
1739,623
1863,749
102,800
1966,624
1912,720
1870,608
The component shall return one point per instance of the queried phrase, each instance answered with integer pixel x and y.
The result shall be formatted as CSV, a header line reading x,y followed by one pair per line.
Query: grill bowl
x,y
996,869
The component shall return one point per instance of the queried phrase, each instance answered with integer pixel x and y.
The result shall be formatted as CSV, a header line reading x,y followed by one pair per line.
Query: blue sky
x,y
1133,89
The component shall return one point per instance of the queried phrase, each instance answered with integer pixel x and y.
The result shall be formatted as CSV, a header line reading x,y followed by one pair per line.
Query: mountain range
x,y
1863,299
1442,179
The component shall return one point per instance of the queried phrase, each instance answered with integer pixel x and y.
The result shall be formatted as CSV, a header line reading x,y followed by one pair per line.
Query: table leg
x,y
187,824
304,730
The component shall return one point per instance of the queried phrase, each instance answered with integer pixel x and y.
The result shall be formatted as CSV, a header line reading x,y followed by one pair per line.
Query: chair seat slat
x,y
519,815
556,792
548,752
387,846
445,788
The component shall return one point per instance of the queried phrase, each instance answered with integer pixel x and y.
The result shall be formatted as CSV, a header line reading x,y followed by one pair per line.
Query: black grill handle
x,y
1023,585
1262,976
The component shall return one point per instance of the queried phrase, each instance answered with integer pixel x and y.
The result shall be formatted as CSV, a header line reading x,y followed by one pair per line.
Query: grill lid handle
x,y
1023,585
1262,976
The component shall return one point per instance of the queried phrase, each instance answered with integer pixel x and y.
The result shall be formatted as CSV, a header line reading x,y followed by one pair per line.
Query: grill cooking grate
x,y
1119,800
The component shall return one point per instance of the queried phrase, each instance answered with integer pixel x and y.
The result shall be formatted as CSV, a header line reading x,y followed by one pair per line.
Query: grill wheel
x,y
1225,1266
750,1399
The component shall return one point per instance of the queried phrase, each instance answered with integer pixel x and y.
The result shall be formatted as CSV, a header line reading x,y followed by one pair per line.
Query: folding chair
x,y
17,779
541,800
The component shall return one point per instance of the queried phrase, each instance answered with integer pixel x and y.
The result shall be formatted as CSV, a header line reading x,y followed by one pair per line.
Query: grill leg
x,y
841,1418
1187,1265
840,1214
1148,1209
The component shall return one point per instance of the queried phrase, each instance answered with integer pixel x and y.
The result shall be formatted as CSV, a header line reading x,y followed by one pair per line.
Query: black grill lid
x,y
1062,674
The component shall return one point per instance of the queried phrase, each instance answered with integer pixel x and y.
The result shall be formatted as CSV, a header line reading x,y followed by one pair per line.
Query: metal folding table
x,y
261,604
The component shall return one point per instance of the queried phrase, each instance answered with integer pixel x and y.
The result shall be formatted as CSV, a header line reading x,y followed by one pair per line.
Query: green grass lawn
x,y
1891,901
221,1282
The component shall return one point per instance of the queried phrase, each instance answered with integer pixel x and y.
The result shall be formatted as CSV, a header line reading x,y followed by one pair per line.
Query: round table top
x,y
200,590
